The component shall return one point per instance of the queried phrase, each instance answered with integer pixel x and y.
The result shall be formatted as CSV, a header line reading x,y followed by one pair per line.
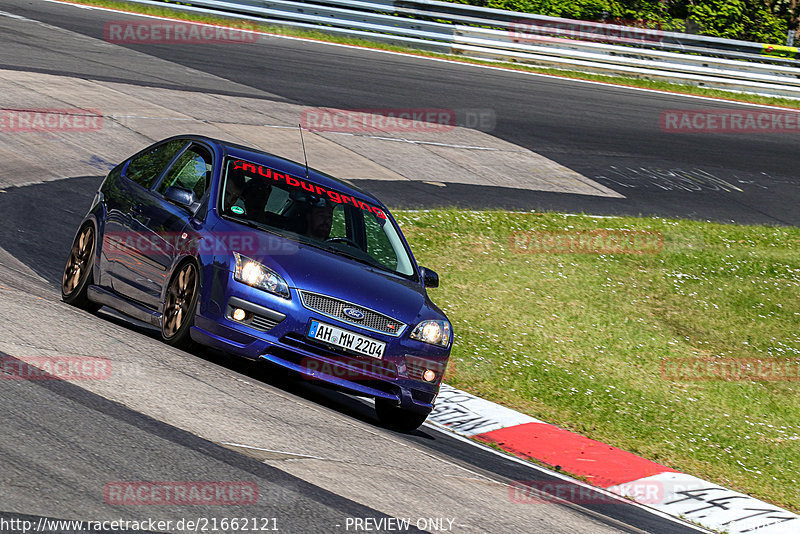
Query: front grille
x,y
333,307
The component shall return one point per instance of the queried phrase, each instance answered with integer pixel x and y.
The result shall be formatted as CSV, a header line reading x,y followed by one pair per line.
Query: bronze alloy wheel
x,y
178,308
79,261
78,271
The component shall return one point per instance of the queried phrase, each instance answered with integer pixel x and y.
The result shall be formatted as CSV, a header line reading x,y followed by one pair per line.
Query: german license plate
x,y
346,340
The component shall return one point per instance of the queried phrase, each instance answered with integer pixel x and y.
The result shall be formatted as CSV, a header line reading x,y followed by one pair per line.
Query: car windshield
x,y
316,215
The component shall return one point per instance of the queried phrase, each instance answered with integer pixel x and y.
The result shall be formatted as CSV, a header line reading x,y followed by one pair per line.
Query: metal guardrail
x,y
539,40
670,41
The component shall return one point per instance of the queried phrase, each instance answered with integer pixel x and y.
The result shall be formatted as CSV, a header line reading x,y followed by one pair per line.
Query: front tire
x,y
398,418
179,306
77,275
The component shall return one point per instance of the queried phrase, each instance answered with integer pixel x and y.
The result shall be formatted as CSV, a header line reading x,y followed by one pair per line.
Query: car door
x,y
169,229
122,262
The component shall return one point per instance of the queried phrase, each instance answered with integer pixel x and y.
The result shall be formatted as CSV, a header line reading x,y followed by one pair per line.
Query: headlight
x,y
433,332
252,273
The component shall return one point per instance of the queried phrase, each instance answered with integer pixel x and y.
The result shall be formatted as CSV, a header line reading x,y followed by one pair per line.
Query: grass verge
x,y
231,21
584,340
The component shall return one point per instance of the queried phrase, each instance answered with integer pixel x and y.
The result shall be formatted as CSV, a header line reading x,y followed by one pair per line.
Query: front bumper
x,y
275,331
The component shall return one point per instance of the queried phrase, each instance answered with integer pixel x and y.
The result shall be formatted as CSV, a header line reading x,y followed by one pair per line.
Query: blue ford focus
x,y
259,256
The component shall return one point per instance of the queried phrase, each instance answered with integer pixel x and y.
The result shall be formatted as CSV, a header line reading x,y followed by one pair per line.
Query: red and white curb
x,y
649,483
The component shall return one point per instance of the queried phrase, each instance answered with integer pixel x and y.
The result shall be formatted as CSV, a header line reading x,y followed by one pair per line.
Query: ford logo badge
x,y
353,313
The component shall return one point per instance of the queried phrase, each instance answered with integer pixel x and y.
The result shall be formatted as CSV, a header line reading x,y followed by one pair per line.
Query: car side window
x,y
191,171
379,245
339,225
145,168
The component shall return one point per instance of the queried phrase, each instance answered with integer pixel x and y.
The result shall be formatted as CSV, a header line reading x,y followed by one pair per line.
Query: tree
x,y
750,20
765,21
789,11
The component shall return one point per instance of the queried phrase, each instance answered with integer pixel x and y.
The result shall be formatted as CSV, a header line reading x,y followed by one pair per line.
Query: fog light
x,y
429,376
238,314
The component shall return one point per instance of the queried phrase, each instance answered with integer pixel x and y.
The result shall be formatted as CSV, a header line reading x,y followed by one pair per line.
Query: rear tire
x,y
179,306
398,418
77,276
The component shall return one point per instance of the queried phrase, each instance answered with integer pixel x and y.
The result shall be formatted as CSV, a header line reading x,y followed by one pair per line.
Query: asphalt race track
x,y
609,134
93,437
318,458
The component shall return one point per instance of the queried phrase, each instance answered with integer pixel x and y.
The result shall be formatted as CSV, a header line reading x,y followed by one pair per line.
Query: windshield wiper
x,y
361,259
253,224
245,222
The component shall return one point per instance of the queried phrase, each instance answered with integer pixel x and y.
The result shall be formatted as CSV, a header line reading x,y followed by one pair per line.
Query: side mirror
x,y
429,277
182,197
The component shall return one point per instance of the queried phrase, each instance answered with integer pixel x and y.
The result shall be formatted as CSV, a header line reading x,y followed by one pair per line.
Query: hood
x,y
316,270
308,268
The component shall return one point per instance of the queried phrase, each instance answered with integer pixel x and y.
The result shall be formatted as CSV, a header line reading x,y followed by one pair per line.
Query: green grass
x,y
232,21
577,339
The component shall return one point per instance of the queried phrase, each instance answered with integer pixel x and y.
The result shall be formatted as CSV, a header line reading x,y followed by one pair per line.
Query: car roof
x,y
288,166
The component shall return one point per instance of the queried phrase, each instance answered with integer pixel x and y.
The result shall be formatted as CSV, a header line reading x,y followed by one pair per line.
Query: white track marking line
x,y
275,451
